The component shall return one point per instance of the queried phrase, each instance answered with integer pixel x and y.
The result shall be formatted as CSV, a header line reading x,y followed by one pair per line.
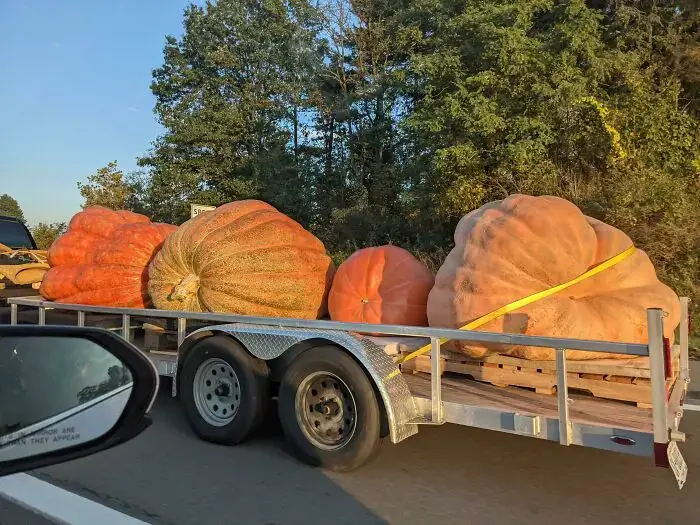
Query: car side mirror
x,y
68,392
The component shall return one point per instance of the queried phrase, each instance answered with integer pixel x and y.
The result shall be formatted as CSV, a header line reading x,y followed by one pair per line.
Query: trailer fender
x,y
270,342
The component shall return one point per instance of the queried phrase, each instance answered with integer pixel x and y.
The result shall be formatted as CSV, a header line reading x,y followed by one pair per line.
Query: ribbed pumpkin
x,y
102,259
86,228
244,257
381,285
515,247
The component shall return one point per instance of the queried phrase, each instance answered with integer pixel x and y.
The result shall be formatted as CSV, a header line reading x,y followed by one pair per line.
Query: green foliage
x,y
373,122
230,94
46,233
10,207
106,187
537,97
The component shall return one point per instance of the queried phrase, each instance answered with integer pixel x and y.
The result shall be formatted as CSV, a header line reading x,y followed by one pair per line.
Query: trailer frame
x,y
270,338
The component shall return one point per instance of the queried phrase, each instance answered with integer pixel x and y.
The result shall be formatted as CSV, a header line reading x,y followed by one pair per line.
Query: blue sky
x,y
74,93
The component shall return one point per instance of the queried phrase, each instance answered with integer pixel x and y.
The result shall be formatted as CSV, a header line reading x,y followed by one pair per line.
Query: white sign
x,y
196,209
677,463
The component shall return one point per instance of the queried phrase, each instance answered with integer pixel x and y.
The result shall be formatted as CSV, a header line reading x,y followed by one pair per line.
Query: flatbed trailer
x,y
339,389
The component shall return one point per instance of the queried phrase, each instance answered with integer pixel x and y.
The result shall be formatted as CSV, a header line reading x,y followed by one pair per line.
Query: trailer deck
x,y
412,398
583,409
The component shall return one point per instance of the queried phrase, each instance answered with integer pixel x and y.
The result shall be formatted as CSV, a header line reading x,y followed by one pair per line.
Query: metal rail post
x,y
42,316
126,327
659,408
13,314
81,318
181,330
563,398
435,381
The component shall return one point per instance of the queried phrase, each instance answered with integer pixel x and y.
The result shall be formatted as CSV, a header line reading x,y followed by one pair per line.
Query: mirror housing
x,y
112,412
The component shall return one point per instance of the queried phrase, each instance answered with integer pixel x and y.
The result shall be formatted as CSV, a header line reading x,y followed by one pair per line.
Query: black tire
x,y
363,443
252,382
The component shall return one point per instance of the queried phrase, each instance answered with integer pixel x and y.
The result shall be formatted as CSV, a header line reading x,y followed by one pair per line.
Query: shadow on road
x,y
168,476
447,475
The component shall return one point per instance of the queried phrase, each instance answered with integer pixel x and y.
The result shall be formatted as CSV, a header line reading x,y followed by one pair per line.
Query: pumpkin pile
x,y
244,257
103,258
509,249
247,258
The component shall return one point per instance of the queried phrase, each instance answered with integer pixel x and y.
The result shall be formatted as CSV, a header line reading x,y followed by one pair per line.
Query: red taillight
x,y
668,361
661,454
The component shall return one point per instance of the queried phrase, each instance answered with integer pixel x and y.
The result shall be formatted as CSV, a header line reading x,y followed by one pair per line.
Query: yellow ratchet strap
x,y
476,323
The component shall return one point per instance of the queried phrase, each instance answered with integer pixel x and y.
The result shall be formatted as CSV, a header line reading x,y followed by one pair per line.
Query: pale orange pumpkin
x,y
381,285
509,249
246,258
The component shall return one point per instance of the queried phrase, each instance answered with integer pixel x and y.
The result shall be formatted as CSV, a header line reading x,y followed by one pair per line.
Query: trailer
x,y
340,388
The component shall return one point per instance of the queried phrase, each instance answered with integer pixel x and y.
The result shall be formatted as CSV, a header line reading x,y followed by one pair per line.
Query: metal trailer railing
x,y
666,406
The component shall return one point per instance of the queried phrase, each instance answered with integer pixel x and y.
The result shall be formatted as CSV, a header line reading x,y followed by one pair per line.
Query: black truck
x,y
15,235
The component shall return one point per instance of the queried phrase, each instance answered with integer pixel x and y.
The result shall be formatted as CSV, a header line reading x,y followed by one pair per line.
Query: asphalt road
x,y
11,514
446,475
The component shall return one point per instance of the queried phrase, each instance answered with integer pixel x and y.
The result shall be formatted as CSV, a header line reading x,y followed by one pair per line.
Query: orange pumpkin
x,y
102,259
381,285
509,249
244,257
90,226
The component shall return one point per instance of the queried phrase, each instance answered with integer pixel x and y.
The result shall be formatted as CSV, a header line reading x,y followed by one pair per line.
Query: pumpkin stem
x,y
187,287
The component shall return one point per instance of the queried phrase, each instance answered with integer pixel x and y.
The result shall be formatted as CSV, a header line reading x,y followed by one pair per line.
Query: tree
x,y
386,121
46,233
359,107
106,187
544,99
230,94
10,207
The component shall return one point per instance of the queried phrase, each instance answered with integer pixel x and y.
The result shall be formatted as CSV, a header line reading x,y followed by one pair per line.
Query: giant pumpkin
x,y
90,226
381,285
102,259
244,257
510,249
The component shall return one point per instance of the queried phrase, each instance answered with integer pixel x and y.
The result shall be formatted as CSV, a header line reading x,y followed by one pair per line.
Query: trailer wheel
x,y
225,390
328,410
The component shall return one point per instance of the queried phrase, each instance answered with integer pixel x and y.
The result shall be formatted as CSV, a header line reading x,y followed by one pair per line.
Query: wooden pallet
x,y
622,380
157,338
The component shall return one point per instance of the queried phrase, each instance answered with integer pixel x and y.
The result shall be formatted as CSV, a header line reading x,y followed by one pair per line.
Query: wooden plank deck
x,y
583,409
618,379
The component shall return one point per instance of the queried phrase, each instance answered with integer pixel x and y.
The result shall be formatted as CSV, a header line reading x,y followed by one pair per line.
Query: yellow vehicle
x,y
22,265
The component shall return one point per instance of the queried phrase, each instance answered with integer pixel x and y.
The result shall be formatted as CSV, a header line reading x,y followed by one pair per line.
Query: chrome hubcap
x,y
326,411
217,392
